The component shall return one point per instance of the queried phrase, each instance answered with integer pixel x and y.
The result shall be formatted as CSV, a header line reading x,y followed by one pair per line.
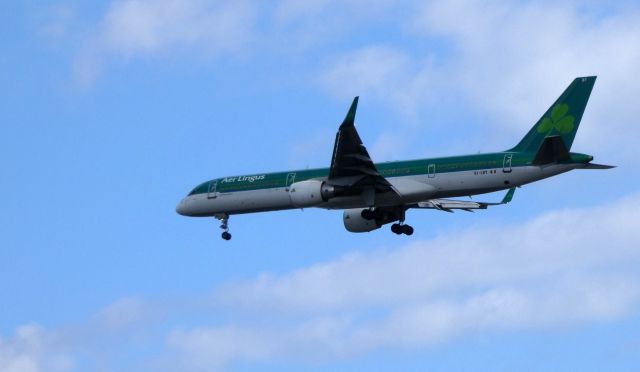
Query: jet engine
x,y
310,193
365,219
355,222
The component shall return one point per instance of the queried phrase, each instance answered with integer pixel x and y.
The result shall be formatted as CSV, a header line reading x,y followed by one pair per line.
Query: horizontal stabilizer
x,y
448,205
596,166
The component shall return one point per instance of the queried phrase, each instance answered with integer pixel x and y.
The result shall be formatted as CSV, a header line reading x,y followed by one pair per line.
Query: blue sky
x,y
112,111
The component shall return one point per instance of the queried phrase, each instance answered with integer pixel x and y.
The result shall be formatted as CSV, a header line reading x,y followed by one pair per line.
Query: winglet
x,y
507,198
351,115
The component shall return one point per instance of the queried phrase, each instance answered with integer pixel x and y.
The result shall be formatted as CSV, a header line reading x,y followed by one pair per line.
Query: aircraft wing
x,y
449,205
351,165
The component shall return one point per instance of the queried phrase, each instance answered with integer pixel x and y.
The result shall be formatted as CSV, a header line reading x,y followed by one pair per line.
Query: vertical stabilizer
x,y
561,119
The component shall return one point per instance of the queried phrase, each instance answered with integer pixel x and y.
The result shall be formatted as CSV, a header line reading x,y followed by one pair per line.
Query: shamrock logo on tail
x,y
559,120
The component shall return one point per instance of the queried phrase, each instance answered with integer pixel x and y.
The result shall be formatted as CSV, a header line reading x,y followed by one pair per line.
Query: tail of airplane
x,y
557,128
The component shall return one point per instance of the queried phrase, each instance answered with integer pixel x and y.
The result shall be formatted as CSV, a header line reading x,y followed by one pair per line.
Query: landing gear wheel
x,y
401,229
396,228
224,225
407,230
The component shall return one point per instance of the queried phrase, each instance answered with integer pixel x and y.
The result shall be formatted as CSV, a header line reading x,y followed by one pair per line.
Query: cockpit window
x,y
200,189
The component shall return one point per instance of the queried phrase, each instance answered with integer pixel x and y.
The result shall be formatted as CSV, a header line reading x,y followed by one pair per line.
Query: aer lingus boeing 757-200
x,y
373,195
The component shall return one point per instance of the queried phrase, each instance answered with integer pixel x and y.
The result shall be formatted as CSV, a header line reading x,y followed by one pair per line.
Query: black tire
x,y
226,235
396,229
407,230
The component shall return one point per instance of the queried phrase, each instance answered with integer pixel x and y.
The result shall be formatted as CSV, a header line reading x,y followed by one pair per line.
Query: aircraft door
x,y
291,177
212,190
431,171
506,163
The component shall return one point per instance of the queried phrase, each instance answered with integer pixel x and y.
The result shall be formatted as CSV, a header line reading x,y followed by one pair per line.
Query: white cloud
x,y
338,14
57,22
32,349
290,9
563,268
513,59
133,28
312,149
207,348
145,26
123,313
509,60
560,269
344,333
382,72
555,244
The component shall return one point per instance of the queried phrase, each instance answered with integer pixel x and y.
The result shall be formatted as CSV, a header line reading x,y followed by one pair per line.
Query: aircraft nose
x,y
181,208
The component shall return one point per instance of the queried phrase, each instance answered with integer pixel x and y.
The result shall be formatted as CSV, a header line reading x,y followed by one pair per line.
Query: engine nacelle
x,y
310,193
354,222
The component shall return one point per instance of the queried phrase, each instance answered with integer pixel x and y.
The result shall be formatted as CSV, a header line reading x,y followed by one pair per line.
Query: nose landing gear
x,y
224,225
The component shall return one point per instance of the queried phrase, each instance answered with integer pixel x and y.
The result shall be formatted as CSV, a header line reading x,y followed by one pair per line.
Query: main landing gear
x,y
383,216
224,225
401,228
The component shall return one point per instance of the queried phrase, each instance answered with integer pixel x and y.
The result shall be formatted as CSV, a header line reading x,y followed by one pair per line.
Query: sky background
x,y
112,111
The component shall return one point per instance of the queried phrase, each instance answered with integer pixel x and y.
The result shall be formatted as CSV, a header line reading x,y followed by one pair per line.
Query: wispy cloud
x,y
558,243
512,59
385,73
507,60
132,28
140,26
32,349
549,271
546,272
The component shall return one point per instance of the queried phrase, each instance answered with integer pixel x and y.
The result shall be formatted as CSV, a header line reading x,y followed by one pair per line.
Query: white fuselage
x,y
411,189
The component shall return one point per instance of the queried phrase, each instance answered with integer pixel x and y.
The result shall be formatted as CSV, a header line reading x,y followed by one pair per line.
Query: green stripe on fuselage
x,y
258,181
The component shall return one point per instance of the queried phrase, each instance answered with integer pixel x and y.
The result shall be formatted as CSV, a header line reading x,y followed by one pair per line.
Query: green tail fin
x,y
562,118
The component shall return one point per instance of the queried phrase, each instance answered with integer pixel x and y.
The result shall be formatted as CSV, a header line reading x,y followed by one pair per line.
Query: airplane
x,y
375,194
